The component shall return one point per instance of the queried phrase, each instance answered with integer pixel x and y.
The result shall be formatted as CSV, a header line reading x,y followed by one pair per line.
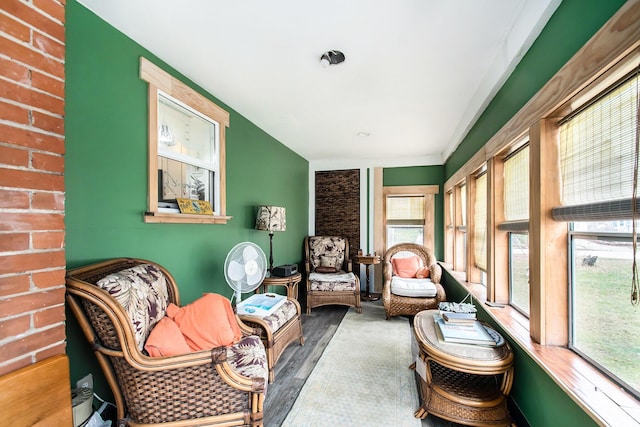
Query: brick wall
x,y
32,257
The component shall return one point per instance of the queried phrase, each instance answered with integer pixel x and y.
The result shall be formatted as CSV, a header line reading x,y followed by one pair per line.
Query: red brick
x,y
51,351
48,201
48,45
34,17
48,162
32,343
21,263
48,240
24,361
13,199
48,317
14,285
31,221
47,84
52,8
31,180
31,302
14,113
11,242
13,156
49,279
32,98
31,57
53,124
31,139
15,28
16,326
14,71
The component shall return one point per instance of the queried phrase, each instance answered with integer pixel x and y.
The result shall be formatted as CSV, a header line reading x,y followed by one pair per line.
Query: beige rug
x,y
363,377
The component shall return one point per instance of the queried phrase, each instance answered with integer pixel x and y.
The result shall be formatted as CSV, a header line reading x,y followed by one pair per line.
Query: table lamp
x,y
271,218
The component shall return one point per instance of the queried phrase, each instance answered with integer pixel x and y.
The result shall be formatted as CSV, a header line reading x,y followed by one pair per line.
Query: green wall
x,y
106,177
540,399
422,175
570,27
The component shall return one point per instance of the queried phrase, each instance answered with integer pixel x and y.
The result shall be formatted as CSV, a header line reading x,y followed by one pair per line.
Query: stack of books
x,y
461,328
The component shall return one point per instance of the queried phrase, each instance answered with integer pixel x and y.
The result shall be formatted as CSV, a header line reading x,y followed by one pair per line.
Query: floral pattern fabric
x,y
142,292
332,281
281,316
323,246
249,358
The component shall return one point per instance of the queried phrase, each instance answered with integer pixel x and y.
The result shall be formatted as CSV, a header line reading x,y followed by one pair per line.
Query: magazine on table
x,y
463,333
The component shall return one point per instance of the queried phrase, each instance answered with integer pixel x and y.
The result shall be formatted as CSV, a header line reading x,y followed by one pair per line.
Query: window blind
x,y
405,210
480,223
597,148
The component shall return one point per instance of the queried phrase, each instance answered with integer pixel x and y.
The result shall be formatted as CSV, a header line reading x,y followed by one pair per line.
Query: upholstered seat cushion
x,y
413,287
281,316
248,357
339,281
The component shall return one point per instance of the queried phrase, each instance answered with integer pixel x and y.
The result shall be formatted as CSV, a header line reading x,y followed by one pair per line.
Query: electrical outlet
x,y
85,382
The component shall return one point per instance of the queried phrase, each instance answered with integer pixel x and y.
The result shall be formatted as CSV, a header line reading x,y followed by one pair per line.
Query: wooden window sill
x,y
177,218
603,400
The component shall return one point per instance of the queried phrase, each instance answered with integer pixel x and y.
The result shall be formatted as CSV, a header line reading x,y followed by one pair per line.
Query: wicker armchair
x,y
202,388
341,286
397,305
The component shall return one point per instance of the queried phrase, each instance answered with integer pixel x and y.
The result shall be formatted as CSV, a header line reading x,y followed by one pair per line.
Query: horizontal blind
x,y
516,186
405,210
463,204
480,223
597,148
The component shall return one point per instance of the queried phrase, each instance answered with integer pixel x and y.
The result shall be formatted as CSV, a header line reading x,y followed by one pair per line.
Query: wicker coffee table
x,y
466,384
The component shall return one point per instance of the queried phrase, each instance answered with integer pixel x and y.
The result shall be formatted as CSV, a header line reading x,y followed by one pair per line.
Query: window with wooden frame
x,y
460,217
186,150
409,214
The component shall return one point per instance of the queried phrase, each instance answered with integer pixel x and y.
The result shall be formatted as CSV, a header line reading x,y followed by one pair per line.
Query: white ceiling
x,y
416,77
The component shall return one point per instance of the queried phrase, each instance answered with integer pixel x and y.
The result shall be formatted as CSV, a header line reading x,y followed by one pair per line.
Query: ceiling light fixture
x,y
363,134
332,57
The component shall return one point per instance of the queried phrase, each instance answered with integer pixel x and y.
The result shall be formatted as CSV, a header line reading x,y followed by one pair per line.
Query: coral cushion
x,y
166,339
406,267
423,273
207,322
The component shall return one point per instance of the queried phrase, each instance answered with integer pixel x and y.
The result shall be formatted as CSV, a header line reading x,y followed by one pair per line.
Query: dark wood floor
x,y
296,363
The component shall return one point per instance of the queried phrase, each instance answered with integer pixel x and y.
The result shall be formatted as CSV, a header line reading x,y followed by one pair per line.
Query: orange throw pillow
x,y
423,273
406,267
207,322
166,339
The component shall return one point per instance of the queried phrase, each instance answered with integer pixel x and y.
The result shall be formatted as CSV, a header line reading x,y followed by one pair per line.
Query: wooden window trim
x,y
159,80
428,192
544,335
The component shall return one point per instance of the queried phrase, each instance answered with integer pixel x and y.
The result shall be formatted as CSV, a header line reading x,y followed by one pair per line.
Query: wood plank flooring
x,y
296,363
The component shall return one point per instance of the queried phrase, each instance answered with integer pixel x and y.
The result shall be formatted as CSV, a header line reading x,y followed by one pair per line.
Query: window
x,y
409,213
405,219
480,223
598,146
186,149
516,224
460,244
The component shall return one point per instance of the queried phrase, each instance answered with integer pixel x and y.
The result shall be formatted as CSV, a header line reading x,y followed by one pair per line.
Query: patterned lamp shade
x,y
271,218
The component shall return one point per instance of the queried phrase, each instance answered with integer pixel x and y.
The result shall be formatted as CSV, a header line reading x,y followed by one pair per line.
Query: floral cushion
x,y
281,316
249,358
142,292
327,247
340,281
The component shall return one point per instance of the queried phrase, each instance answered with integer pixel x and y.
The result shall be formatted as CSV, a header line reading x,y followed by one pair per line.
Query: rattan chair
x,y
201,388
396,305
341,287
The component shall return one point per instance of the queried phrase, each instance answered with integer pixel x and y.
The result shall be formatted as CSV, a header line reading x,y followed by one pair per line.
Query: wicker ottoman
x,y
277,330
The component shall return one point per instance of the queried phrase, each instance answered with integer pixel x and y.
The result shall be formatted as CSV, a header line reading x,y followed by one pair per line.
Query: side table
x,y
464,383
368,260
291,283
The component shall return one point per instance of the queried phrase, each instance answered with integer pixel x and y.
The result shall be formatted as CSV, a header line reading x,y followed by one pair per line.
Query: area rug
x,y
363,376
